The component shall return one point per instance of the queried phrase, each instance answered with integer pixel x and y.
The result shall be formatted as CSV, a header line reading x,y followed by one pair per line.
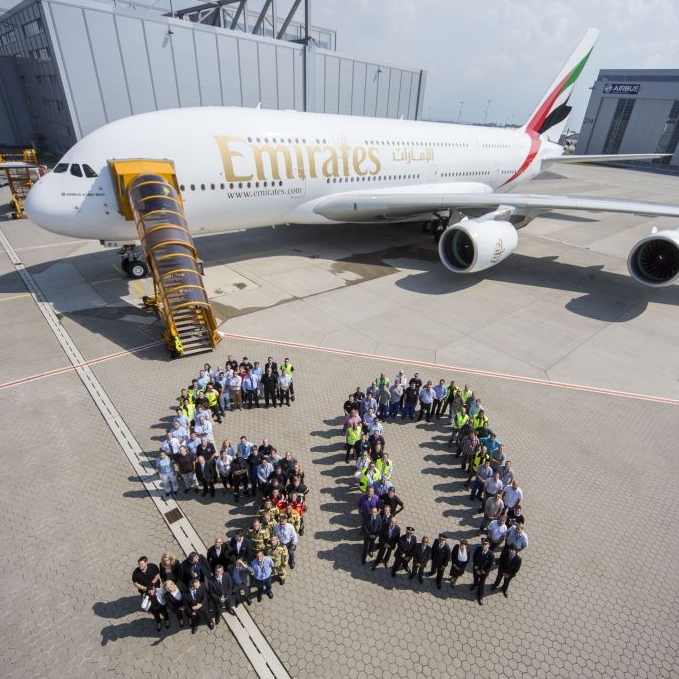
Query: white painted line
x,y
256,648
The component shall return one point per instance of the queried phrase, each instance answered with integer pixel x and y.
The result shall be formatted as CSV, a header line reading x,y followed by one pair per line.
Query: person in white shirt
x,y
497,531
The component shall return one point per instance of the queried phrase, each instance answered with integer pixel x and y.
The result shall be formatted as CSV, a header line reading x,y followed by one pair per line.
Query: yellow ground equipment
x,y
21,170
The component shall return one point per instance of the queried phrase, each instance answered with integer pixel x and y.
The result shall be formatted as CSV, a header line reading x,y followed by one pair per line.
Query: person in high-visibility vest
x,y
480,420
385,466
369,477
353,437
288,369
178,348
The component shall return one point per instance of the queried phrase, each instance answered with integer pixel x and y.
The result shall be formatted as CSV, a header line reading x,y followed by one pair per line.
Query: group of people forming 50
x,y
202,587
490,478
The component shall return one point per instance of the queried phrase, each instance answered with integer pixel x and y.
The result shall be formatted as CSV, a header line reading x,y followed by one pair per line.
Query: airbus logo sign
x,y
621,88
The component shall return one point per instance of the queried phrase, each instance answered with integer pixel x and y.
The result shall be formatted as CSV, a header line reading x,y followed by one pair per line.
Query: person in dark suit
x,y
389,536
440,558
206,474
218,554
483,561
176,594
196,566
459,560
421,556
372,524
404,551
220,589
198,605
270,384
271,365
157,608
508,567
241,547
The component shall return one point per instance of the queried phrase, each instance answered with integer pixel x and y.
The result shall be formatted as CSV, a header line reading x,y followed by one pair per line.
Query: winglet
x,y
549,118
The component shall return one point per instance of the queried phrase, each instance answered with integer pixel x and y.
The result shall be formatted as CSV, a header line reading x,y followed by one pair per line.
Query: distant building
x,y
68,67
634,111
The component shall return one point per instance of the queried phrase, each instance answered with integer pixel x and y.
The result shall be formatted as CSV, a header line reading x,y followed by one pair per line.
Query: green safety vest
x,y
363,483
353,435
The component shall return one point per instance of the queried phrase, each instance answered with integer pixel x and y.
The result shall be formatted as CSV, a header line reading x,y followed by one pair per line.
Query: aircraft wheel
x,y
137,269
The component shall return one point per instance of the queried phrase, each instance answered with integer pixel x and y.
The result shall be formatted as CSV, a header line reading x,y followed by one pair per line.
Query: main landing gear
x,y
436,227
133,262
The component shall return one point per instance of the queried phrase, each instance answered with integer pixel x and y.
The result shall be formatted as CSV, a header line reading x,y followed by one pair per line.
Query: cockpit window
x,y
89,172
61,167
76,171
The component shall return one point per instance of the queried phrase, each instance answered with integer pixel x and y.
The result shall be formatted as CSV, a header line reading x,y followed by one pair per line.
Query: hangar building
x,y
634,111
68,67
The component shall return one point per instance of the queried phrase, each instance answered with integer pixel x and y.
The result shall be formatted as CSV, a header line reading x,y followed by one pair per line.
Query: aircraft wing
x,y
400,203
604,158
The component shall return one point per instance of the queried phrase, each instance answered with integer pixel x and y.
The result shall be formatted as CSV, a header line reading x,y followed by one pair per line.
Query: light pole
x,y
485,113
459,114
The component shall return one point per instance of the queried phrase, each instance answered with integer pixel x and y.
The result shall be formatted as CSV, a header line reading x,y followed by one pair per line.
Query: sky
x,y
506,52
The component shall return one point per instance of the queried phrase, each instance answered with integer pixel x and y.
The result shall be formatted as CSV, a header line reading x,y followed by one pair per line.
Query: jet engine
x,y
476,244
654,260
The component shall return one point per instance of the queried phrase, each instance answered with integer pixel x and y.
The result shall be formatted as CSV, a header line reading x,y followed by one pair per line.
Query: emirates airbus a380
x,y
240,168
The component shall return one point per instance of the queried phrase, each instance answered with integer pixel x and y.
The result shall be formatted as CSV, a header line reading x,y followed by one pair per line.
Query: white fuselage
x,y
240,168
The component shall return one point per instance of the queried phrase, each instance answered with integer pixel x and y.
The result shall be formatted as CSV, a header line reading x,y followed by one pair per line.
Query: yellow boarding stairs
x,y
147,193
21,170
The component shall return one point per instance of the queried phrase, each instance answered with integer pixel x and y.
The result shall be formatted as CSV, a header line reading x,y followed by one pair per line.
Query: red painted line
x,y
472,371
94,361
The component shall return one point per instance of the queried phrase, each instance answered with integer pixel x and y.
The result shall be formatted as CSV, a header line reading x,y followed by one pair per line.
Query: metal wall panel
x,y
394,96
331,88
285,83
382,86
319,84
372,76
345,89
268,70
229,70
645,125
411,96
209,68
358,89
249,75
162,69
299,79
183,61
109,66
604,118
136,64
73,43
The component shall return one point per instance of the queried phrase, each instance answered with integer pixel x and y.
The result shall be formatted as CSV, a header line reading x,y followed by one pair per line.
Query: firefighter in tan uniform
x,y
268,507
279,554
258,535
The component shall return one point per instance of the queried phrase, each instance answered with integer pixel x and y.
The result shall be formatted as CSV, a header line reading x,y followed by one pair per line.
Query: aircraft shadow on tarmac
x,y
602,295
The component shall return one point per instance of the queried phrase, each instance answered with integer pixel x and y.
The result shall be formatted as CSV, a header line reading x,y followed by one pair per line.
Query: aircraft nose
x,y
44,207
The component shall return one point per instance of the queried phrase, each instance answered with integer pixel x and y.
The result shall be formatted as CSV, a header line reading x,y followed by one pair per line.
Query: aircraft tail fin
x,y
549,118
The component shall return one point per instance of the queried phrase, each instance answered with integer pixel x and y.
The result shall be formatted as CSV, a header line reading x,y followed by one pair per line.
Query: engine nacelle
x,y
654,260
477,244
